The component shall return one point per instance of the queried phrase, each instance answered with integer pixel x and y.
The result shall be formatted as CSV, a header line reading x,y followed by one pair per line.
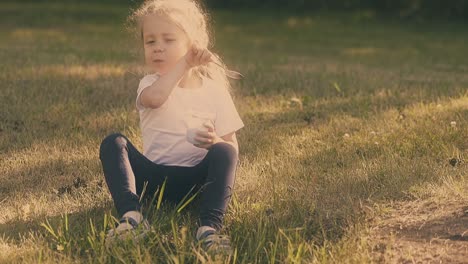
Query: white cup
x,y
195,121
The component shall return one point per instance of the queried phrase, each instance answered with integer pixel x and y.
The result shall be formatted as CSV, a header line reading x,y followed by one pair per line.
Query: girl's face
x,y
164,43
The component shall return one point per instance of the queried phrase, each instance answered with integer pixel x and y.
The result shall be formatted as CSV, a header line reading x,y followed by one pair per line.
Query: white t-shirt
x,y
164,129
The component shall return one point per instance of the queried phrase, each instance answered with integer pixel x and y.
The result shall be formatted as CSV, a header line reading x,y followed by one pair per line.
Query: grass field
x,y
356,138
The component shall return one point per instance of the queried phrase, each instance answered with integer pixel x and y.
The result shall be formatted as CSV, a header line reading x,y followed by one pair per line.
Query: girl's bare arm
x,y
155,95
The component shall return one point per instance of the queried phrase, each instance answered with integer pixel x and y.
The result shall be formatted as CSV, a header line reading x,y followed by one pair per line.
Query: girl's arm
x,y
208,138
155,95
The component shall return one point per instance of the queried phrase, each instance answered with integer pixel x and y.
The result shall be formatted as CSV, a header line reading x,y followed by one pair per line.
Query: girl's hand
x,y
196,56
206,139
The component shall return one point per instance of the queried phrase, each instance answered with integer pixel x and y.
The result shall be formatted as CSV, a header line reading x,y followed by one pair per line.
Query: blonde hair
x,y
192,19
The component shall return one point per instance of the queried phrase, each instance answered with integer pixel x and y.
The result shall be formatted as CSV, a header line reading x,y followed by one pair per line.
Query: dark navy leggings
x,y
127,171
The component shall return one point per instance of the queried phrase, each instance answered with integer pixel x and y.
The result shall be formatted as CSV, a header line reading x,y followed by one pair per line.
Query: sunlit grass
x,y
342,118
88,72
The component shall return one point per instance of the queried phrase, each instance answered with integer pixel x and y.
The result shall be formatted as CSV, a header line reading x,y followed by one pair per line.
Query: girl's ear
x,y
194,44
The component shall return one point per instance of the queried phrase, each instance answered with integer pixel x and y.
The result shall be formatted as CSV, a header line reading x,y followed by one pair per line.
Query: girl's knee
x,y
223,150
111,143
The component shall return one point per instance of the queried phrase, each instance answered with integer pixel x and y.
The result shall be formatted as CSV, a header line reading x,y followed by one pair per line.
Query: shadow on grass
x,y
340,178
49,176
18,230
70,111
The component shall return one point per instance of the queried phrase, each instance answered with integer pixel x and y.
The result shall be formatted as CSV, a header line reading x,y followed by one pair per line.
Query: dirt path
x,y
421,232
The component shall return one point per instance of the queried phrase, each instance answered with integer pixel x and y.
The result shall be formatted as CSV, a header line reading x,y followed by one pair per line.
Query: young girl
x,y
188,122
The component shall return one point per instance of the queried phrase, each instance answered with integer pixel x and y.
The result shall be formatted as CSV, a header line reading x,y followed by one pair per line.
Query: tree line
x,y
457,9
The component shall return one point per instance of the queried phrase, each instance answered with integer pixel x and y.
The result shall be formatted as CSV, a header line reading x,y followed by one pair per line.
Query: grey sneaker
x,y
128,229
212,242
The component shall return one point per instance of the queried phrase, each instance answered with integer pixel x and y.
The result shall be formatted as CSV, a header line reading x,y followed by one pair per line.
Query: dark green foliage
x,y
397,8
428,9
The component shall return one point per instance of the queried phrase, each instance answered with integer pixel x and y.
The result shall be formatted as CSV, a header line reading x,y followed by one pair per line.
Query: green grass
x,y
373,126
